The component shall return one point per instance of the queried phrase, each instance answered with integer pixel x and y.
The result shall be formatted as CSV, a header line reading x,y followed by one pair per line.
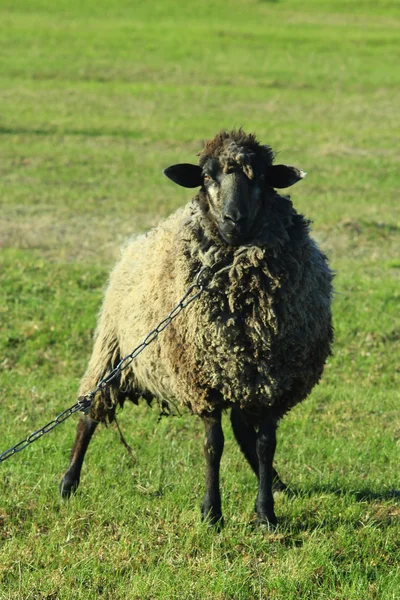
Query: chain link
x,y
84,403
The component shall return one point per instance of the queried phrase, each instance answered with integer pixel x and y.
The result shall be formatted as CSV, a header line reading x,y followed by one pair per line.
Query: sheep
x,y
255,341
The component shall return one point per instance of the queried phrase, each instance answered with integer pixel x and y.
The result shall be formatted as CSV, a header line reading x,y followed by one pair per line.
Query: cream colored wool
x,y
259,337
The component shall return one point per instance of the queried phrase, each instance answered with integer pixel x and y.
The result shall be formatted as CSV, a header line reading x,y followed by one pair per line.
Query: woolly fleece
x,y
258,337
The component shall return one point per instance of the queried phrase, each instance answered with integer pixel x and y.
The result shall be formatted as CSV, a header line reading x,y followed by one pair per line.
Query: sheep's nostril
x,y
234,219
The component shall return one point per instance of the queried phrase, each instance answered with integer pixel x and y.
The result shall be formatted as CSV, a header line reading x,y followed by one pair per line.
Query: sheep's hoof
x,y
268,523
68,486
215,522
214,519
278,485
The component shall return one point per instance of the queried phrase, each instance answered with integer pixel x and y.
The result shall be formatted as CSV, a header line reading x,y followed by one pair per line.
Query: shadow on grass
x,y
362,495
295,527
62,132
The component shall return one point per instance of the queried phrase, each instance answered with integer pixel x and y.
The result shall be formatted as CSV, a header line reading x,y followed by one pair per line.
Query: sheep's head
x,y
235,174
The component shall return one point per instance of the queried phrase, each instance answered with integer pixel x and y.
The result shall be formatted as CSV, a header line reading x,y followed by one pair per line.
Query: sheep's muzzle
x,y
239,202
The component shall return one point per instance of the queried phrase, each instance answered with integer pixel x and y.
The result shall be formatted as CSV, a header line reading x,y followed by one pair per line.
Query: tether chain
x,y
84,402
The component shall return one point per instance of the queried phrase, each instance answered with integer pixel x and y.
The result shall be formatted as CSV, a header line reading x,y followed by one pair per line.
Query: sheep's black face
x,y
235,202
236,175
234,199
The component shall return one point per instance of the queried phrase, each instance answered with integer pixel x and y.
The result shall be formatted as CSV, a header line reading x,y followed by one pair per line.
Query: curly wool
x,y
258,338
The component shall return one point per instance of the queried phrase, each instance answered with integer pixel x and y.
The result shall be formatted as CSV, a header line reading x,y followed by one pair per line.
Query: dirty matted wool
x,y
258,337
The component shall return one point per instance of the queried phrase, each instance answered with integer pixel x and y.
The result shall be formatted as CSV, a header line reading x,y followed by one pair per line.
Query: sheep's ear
x,y
283,176
186,175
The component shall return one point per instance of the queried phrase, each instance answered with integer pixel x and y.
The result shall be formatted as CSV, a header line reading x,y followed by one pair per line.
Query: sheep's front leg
x,y
213,448
265,447
246,437
85,430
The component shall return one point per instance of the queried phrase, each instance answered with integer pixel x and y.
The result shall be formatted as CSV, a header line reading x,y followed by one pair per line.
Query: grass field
x,y
96,98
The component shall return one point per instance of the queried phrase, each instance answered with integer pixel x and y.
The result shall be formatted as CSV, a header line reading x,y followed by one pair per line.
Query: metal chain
x,y
154,333
38,434
84,402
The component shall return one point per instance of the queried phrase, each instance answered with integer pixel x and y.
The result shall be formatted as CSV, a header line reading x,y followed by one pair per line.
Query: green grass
x,y
96,98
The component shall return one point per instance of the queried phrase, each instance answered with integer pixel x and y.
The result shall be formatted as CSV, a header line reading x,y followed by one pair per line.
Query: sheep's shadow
x,y
361,495
290,530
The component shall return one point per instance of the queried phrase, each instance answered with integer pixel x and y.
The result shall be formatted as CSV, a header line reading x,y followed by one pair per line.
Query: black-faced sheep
x,y
256,341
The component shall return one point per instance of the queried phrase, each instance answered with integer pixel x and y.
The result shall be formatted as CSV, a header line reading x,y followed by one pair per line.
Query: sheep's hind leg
x,y
265,447
246,437
213,448
70,481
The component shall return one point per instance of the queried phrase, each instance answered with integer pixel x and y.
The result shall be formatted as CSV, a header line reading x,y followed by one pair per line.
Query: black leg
x,y
85,430
213,448
246,437
265,447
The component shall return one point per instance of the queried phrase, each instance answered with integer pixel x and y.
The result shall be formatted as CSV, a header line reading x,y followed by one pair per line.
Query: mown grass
x,y
96,98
